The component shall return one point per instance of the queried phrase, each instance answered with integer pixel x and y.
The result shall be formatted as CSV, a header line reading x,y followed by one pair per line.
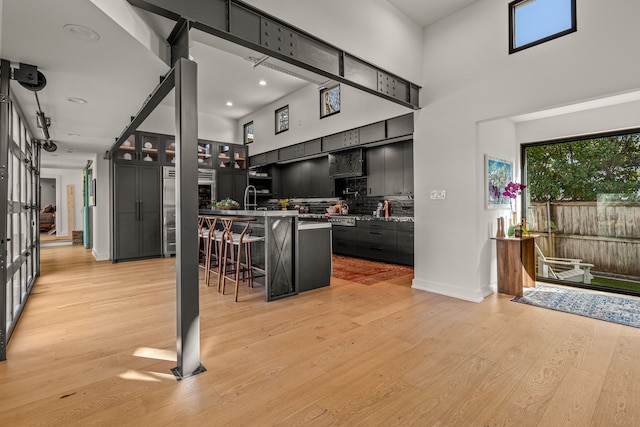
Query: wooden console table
x,y
516,264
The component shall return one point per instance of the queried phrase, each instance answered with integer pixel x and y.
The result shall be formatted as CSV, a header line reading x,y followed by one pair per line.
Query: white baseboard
x,y
450,290
100,256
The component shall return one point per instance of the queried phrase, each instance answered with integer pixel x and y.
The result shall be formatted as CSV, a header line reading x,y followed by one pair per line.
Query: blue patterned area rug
x,y
610,308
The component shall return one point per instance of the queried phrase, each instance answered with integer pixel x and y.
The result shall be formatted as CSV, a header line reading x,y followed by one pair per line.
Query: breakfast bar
x,y
278,254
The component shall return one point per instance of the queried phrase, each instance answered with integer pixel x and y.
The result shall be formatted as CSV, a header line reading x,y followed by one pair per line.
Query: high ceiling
x,y
115,74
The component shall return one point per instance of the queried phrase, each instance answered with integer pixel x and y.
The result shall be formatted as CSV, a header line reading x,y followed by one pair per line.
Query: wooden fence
x,y
604,234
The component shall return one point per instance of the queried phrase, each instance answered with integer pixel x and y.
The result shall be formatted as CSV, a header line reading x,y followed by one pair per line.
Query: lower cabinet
x,y
344,240
386,241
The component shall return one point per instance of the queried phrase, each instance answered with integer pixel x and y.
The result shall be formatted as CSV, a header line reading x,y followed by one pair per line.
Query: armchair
x,y
566,268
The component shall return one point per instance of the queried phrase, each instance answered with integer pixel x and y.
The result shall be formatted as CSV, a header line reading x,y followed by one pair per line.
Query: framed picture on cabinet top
x,y
282,119
498,173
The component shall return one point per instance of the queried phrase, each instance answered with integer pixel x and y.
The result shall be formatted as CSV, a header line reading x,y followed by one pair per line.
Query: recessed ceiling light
x,y
262,83
76,100
80,32
229,104
74,134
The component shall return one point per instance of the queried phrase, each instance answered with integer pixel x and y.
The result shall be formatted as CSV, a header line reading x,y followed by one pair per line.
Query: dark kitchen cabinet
x,y
137,211
306,178
375,171
139,148
231,183
345,164
295,180
344,240
231,156
407,165
390,169
405,240
378,240
393,170
321,184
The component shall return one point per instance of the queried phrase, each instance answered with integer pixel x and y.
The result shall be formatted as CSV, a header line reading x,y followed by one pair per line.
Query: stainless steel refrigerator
x,y
206,193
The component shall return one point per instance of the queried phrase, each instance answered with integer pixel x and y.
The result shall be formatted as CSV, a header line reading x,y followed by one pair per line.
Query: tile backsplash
x,y
354,192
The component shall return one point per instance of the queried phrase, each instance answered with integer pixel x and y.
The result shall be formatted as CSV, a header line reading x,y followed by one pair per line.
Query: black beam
x,y
187,270
5,76
159,93
179,41
243,24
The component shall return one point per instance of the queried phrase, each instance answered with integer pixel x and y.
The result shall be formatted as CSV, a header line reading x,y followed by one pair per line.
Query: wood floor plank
x,y
97,340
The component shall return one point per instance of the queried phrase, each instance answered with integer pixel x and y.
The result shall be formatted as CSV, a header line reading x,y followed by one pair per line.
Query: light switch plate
x,y
438,194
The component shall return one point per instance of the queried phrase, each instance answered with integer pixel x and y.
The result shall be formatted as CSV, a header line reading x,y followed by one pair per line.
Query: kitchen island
x,y
278,254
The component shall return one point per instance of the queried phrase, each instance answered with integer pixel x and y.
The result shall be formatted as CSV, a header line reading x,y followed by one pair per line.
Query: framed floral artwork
x,y
282,119
498,173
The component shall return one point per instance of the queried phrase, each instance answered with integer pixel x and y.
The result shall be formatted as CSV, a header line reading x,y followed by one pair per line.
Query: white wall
x,y
102,211
64,178
595,120
47,191
210,127
357,108
470,78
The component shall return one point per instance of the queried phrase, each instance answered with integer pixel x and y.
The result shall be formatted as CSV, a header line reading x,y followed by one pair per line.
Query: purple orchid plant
x,y
513,190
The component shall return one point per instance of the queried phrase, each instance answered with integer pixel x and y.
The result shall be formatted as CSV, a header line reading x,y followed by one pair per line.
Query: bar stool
x,y
242,241
214,242
203,237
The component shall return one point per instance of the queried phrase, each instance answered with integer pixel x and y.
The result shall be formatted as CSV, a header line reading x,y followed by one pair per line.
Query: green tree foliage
x,y
581,170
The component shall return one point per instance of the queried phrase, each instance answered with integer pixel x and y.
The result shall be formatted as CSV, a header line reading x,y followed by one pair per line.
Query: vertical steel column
x,y
5,123
187,270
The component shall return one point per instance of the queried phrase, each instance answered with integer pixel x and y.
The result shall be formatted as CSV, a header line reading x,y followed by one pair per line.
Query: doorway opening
x,y
583,201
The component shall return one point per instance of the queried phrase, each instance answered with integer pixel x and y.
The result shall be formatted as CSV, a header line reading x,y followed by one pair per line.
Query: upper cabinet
x,y
231,156
141,147
150,148
390,169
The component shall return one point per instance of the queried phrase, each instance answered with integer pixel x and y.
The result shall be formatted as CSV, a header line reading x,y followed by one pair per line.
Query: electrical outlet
x,y
438,194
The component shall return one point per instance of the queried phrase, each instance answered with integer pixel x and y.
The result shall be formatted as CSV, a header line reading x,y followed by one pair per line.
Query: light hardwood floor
x,y
96,343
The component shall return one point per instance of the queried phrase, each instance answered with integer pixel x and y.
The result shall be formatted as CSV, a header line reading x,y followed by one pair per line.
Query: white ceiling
x,y
116,73
426,12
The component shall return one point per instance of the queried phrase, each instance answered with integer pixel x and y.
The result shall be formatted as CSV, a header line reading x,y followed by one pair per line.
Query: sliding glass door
x,y
583,201
19,159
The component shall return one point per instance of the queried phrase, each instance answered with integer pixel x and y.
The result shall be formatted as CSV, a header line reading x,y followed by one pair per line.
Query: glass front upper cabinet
x,y
144,149
205,156
224,156
149,149
240,157
127,150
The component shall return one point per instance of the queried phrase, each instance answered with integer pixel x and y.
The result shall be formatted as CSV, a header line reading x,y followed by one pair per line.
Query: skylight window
x,y
532,22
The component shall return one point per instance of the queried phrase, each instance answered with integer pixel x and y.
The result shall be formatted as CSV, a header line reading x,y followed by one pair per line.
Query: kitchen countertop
x,y
243,213
359,217
291,212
